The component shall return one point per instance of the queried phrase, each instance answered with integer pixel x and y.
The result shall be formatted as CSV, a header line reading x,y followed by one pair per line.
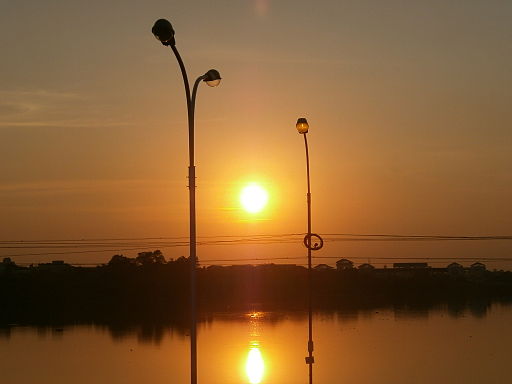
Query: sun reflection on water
x,y
255,366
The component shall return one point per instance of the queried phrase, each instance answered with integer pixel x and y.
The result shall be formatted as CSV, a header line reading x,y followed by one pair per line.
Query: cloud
x,y
65,124
37,93
244,55
80,186
44,108
20,103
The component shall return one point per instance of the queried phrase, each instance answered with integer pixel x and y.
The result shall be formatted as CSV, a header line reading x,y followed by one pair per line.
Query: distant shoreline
x,y
160,290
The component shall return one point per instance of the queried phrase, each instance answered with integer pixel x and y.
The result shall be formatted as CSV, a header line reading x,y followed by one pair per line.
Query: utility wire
x,y
130,244
257,236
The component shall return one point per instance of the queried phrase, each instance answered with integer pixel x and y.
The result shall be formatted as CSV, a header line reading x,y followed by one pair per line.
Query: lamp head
x,y
212,78
163,31
302,125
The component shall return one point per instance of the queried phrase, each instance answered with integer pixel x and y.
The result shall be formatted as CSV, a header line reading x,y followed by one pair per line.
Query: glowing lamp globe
x,y
302,125
212,78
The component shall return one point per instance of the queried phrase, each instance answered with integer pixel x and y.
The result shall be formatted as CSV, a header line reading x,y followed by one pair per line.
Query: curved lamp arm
x,y
190,104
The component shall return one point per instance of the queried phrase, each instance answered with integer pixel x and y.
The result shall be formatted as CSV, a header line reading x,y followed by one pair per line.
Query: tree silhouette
x,y
150,258
120,260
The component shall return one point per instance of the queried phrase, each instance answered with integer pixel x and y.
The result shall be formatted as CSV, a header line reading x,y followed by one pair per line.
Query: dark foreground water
x,y
445,345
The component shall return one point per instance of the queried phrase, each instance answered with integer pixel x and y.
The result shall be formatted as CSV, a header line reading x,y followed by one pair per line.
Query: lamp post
x,y
303,127
164,32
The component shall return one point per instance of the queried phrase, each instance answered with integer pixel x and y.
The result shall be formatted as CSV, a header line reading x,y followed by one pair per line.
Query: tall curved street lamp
x,y
303,127
164,32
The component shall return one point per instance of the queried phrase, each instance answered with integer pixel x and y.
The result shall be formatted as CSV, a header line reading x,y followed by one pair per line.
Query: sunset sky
x,y
409,105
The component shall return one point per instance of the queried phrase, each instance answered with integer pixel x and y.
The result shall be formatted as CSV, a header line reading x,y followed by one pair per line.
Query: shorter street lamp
x,y
303,127
164,32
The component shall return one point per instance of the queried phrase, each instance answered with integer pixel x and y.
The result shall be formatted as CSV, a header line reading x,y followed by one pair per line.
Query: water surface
x,y
377,346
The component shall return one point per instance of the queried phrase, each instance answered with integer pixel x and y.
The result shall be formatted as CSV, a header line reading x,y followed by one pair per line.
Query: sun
x,y
253,198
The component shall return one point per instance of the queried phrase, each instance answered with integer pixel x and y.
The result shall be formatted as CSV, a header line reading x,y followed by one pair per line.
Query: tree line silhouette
x,y
148,287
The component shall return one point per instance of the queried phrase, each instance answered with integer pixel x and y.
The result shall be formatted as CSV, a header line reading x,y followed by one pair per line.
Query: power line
x,y
149,238
130,244
256,236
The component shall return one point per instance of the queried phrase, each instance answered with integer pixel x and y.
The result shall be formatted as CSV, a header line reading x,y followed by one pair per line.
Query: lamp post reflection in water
x,y
254,364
